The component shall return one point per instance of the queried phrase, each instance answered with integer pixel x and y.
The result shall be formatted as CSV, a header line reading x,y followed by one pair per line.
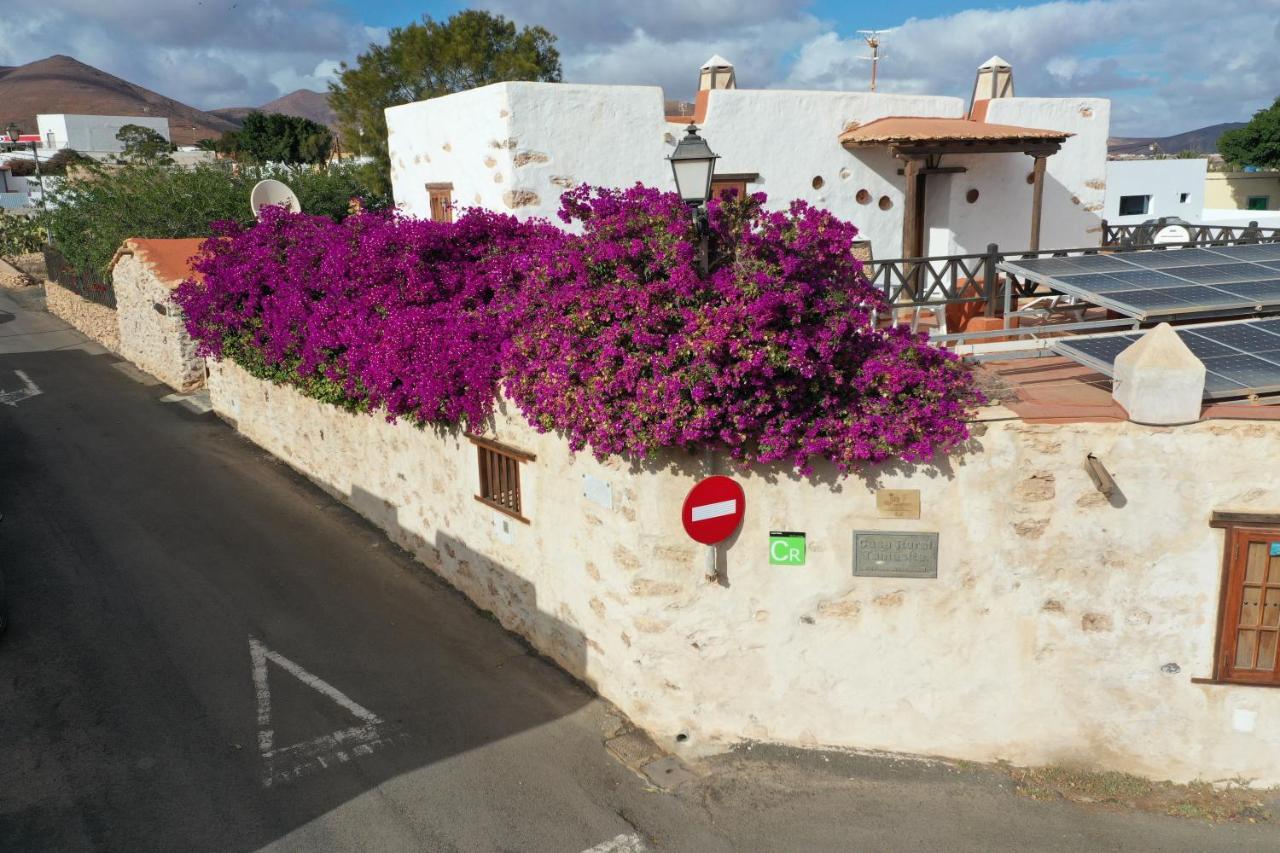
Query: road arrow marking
x,y
629,843
285,763
13,398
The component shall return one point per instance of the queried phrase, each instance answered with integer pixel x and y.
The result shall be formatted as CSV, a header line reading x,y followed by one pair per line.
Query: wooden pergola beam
x,y
1037,198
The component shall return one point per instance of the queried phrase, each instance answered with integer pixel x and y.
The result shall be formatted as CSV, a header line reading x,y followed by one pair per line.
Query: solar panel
x,y
1159,302
1261,292
1219,273
1158,259
1203,348
1251,252
1240,357
1165,283
1148,278
1241,337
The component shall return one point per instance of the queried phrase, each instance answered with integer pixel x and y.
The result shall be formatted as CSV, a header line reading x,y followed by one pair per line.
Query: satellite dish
x,y
1172,234
272,193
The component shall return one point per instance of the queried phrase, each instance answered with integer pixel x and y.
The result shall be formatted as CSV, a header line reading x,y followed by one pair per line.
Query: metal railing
x,y
967,279
1201,235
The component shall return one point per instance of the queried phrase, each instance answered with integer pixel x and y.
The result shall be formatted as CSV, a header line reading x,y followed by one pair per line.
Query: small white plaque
x,y
504,529
597,491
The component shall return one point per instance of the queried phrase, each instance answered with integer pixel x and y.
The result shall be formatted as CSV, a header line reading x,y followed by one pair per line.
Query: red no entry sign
x,y
713,510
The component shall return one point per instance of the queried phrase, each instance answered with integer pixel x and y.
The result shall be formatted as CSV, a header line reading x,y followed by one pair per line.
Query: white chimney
x,y
994,80
717,73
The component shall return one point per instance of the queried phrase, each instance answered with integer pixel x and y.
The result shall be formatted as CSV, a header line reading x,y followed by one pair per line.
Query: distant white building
x,y
1138,190
91,134
516,147
14,190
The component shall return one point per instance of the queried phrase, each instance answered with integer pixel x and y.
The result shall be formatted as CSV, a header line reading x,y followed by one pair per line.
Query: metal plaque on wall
x,y
881,554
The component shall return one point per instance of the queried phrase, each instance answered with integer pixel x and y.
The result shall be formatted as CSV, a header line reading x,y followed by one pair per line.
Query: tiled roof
x,y
900,130
169,260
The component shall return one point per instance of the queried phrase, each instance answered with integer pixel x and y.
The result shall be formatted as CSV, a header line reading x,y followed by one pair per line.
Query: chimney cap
x,y
995,62
716,61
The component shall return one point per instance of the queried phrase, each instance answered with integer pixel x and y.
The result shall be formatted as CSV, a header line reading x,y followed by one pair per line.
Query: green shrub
x,y
89,217
20,234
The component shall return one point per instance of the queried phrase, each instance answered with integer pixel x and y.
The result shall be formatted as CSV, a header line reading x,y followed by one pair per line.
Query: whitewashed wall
x,y
1075,178
516,146
92,133
1061,627
1164,180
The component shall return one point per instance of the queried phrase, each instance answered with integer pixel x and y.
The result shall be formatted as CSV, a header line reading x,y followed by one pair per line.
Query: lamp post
x,y
693,164
13,132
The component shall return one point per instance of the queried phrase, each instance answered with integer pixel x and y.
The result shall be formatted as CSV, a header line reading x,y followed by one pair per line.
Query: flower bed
x,y
610,336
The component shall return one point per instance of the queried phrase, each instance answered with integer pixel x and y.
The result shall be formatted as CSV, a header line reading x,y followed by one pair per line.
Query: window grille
x,y
499,468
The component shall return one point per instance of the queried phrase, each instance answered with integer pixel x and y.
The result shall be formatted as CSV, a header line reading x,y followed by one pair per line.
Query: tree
x,y
64,158
144,145
1255,144
433,58
278,138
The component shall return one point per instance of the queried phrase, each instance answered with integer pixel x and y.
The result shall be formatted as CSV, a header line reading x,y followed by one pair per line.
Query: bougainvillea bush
x,y
376,312
624,347
610,336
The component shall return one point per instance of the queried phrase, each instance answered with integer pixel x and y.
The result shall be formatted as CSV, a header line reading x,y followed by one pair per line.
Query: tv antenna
x,y
873,39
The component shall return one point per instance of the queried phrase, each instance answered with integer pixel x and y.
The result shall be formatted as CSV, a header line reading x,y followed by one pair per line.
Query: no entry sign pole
x,y
712,511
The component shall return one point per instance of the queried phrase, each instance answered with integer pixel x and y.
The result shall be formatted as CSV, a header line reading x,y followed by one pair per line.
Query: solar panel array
x,y
1240,358
1165,283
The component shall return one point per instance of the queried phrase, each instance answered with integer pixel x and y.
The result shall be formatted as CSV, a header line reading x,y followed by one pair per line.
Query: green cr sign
x,y
786,549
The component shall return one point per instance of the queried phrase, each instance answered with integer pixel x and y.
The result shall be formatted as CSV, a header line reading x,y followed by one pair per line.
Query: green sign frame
x,y
786,548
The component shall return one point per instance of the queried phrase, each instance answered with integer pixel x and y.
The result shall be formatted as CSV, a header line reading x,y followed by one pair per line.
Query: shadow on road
x,y
143,546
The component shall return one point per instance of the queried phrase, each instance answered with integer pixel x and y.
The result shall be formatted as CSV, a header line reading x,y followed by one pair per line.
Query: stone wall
x,y
93,319
1062,626
152,335
22,270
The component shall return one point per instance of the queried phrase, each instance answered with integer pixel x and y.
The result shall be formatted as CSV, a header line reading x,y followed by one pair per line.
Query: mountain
x,y
1204,140
306,103
61,84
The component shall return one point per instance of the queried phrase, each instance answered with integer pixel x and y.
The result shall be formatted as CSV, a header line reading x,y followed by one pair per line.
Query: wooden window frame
x,y
437,191
1238,530
498,466
733,180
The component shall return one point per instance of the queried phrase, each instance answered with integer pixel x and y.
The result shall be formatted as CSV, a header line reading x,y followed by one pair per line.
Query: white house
x,y
92,134
517,146
1138,190
14,190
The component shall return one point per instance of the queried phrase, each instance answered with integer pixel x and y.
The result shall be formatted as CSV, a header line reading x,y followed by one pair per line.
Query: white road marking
x,y
628,843
715,510
29,389
285,763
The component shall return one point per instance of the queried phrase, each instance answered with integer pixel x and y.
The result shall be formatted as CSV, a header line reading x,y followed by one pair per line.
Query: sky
x,y
1167,65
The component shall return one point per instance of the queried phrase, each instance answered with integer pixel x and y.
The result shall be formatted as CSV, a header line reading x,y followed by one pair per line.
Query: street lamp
x,y
13,130
693,164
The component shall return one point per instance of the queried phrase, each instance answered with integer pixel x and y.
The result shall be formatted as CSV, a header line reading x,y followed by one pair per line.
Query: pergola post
x,y
1037,198
913,221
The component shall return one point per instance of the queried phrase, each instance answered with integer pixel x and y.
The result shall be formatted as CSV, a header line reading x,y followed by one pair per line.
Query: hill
x,y
305,103
61,84
1203,140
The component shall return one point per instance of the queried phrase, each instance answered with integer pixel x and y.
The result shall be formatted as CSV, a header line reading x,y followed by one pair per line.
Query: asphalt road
x,y
207,653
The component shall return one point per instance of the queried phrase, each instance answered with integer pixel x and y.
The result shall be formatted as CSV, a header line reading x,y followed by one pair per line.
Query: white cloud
x,y
208,53
1168,66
